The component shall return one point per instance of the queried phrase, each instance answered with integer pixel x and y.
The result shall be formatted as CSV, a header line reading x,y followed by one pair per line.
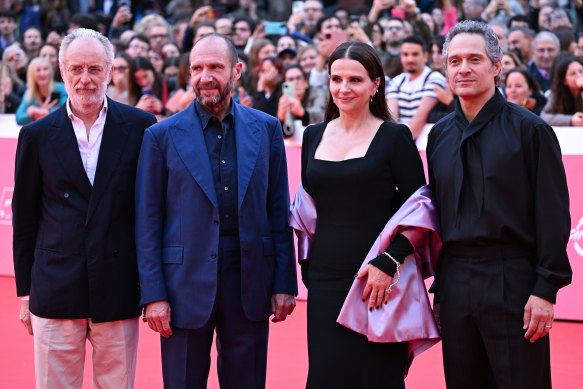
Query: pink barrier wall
x,y
568,302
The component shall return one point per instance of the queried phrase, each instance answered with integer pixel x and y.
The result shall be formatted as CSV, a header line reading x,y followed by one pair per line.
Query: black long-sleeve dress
x,y
354,200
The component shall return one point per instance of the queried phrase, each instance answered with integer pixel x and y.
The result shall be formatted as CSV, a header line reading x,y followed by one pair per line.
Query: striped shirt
x,y
409,93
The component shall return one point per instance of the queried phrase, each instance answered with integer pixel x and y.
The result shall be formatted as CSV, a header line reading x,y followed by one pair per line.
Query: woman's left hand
x,y
376,286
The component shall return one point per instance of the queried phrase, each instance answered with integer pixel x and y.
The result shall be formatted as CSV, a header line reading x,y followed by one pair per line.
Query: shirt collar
x,y
72,115
205,116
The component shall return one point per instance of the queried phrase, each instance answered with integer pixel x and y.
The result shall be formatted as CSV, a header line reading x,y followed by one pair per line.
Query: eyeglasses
x,y
243,29
138,47
294,79
312,9
395,28
159,36
93,70
121,68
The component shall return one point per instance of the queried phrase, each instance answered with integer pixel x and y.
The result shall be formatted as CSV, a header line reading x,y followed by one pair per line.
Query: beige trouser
x,y
59,352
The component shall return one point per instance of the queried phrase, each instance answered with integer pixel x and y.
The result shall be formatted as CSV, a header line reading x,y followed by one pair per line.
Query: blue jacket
x,y
177,217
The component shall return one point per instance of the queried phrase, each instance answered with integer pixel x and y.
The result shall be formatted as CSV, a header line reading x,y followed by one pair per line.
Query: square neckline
x,y
368,149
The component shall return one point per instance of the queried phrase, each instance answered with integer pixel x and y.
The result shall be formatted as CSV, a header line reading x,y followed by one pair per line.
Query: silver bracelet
x,y
390,288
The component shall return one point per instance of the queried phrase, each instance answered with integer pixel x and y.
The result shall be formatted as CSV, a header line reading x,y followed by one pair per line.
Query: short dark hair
x,y
87,21
417,40
367,57
141,38
250,22
323,19
8,14
203,24
518,18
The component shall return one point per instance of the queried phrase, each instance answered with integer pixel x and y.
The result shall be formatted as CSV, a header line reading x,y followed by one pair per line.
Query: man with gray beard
x,y
215,252
73,224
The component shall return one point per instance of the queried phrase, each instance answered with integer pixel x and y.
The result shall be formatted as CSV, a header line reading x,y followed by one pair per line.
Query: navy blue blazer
x,y
74,244
177,217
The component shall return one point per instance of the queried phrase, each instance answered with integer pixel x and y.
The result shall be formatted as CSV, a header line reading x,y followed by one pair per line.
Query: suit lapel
x,y
188,139
65,148
246,136
113,141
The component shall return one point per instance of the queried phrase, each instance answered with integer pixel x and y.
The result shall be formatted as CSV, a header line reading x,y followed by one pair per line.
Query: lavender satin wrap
x,y
302,219
408,316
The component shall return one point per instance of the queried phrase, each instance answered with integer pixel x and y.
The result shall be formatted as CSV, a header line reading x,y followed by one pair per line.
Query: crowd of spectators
x,y
284,47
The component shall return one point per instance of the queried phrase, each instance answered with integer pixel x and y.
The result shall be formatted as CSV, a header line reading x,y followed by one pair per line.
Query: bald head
x,y
221,41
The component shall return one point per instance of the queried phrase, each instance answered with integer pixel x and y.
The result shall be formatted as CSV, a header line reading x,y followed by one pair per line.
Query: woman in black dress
x,y
359,167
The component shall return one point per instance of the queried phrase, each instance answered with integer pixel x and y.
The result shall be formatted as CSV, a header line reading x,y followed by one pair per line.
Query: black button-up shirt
x,y
498,181
219,137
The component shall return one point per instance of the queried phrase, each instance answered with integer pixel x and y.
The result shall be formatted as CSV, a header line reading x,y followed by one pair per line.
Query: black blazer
x,y
74,244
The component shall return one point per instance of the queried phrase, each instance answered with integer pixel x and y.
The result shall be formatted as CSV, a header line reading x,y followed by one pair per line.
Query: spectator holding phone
x,y
149,86
43,95
307,104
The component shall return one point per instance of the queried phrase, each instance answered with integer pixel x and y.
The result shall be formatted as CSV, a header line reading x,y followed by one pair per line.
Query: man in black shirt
x,y
496,173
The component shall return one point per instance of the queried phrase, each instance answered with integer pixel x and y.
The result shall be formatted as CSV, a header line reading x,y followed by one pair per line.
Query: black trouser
x,y
482,294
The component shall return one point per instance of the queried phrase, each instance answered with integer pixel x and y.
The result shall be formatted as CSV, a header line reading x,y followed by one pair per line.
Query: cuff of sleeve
x,y
384,264
544,289
25,298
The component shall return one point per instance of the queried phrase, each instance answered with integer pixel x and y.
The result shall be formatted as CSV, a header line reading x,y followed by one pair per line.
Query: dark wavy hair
x,y
562,100
367,57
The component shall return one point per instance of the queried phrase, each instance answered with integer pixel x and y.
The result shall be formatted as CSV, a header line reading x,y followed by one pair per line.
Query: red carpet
x,y
287,366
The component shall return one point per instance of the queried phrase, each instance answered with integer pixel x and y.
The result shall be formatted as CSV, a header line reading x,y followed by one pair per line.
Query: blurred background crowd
x,y
284,46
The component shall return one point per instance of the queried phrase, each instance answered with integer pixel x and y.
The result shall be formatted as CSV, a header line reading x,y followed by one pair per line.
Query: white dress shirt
x,y
89,148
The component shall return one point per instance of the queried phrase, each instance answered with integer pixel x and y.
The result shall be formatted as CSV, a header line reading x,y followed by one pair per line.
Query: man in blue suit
x,y
73,219
214,248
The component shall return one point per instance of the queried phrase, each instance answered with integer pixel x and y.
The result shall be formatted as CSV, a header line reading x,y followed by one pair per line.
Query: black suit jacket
x,y
74,244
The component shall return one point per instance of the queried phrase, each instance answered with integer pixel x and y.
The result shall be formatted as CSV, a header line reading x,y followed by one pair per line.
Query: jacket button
x,y
116,252
216,222
77,254
66,195
79,225
213,255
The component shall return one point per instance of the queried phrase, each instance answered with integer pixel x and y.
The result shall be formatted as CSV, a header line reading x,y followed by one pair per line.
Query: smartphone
x,y
147,91
337,37
297,7
289,89
275,28
124,3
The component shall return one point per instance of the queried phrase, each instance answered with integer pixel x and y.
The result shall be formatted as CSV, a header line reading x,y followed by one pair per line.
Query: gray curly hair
x,y
493,49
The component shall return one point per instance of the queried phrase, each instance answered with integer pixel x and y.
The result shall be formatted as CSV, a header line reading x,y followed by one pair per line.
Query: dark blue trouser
x,y
241,343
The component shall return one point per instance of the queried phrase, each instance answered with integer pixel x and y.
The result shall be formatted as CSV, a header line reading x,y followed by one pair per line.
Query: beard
x,y
85,97
220,98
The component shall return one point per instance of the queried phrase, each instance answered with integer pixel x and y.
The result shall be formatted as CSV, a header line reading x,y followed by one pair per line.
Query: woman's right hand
x,y
282,107
377,284
577,119
37,112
